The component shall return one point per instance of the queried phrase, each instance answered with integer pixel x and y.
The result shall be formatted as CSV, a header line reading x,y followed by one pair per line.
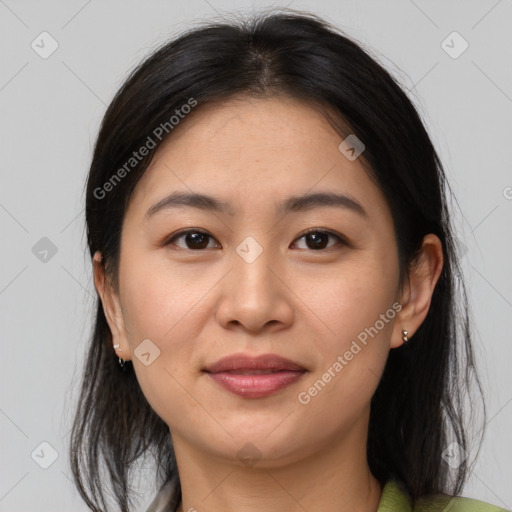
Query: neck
x,y
334,479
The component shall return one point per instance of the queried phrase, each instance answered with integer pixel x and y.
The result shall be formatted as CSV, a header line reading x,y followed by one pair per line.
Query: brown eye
x,y
193,239
317,240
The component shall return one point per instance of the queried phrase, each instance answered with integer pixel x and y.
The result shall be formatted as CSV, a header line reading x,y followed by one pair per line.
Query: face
x,y
309,281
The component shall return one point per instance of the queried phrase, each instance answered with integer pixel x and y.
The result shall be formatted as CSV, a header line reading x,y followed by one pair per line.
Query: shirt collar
x,y
395,498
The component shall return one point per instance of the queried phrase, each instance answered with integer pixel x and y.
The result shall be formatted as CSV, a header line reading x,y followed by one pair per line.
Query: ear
x,y
111,308
417,293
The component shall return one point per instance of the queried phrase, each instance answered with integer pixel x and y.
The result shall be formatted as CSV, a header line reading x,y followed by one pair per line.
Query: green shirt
x,y
394,498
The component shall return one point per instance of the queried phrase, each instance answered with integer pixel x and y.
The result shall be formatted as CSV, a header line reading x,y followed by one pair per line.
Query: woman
x,y
278,323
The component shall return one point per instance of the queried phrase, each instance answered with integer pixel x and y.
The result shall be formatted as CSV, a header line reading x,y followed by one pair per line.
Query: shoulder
x,y
447,503
396,498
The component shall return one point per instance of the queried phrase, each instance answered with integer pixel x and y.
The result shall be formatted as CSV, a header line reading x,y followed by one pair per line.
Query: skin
x,y
304,304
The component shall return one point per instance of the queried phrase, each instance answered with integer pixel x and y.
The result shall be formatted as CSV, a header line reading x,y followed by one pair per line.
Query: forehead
x,y
254,151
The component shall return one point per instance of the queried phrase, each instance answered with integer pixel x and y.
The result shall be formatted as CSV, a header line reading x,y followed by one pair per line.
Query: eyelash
x,y
341,239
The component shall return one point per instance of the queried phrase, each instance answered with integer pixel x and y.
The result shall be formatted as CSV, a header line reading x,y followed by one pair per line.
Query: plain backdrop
x,y
50,112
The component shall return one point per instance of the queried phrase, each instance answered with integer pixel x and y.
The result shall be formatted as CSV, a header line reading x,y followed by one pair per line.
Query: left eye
x,y
318,240
315,239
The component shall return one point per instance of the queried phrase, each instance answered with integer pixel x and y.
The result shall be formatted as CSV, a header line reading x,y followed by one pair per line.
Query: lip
x,y
246,362
254,377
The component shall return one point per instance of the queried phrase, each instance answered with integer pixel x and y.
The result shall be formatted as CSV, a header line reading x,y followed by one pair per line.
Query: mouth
x,y
254,377
251,372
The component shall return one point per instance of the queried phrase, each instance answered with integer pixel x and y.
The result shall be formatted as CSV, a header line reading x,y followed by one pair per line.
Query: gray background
x,y
51,110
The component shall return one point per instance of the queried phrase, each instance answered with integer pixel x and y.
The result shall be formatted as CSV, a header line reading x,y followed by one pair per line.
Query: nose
x,y
255,295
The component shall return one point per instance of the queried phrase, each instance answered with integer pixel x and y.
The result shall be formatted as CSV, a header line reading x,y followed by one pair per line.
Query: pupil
x,y
197,240
319,240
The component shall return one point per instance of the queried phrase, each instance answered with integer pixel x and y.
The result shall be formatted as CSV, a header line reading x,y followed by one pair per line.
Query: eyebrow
x,y
292,204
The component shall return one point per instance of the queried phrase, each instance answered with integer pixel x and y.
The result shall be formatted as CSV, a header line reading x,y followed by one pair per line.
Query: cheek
x,y
357,307
352,297
159,298
162,306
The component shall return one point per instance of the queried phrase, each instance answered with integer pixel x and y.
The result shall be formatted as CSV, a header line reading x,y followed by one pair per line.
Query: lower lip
x,y
256,385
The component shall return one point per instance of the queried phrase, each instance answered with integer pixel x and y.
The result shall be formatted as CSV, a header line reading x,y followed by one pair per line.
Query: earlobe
x,y
424,274
111,308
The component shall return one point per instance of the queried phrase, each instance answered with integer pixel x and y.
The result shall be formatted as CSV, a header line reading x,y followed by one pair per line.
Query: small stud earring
x,y
404,336
117,346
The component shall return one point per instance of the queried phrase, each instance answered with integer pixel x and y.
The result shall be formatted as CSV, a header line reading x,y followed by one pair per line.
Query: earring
x,y
122,362
404,336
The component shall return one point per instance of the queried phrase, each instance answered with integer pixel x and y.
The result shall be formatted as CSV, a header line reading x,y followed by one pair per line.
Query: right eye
x,y
194,239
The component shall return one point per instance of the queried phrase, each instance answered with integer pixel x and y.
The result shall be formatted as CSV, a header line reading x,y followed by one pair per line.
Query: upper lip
x,y
246,362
